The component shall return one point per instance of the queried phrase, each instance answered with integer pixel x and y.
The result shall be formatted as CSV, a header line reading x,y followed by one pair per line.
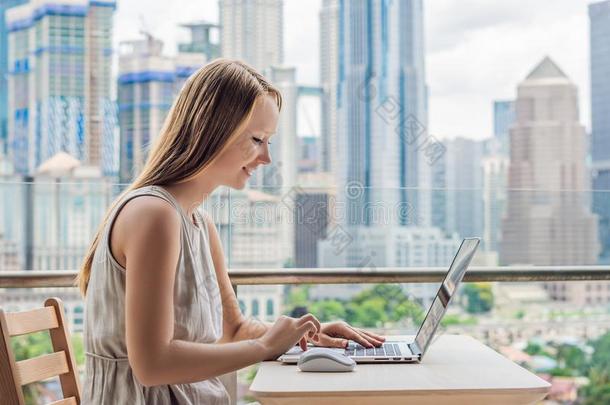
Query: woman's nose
x,y
265,156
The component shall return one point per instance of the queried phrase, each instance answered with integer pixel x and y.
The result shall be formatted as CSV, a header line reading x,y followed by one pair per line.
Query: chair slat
x,y
41,367
66,401
36,320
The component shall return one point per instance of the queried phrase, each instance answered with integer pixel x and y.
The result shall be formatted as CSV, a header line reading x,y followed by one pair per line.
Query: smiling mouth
x,y
248,171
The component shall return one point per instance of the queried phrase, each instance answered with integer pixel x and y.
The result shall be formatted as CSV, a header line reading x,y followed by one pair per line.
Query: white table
x,y
456,370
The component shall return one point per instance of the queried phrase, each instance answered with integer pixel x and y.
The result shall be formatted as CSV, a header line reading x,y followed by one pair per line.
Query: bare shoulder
x,y
144,220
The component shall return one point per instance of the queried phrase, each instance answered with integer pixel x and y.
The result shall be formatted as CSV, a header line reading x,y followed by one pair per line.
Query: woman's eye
x,y
259,141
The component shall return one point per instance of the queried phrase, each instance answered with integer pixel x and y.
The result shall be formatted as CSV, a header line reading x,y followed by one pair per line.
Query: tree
x,y
328,310
480,297
598,390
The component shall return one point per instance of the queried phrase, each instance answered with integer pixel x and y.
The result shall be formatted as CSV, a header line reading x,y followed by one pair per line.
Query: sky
x,y
477,51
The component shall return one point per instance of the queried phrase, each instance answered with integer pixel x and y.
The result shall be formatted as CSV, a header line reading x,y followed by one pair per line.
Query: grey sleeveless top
x,y
197,318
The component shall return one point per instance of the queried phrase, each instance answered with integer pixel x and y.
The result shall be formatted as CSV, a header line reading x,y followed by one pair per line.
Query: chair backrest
x,y
15,374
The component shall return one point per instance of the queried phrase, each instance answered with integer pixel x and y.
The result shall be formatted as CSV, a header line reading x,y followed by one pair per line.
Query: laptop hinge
x,y
415,349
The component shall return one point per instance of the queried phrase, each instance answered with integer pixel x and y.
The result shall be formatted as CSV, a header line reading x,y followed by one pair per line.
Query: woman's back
x,y
197,317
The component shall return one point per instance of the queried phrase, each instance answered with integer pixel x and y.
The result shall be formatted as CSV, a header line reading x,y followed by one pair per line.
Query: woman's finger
x,y
328,341
373,335
372,339
356,337
307,318
303,343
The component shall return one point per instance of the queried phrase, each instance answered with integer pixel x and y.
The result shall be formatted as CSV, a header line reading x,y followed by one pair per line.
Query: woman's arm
x,y
148,237
235,326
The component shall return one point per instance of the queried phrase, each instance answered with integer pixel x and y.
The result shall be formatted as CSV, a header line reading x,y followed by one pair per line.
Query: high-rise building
x,y
457,196
311,218
69,202
382,108
12,212
147,85
59,58
4,4
308,159
495,175
548,219
252,31
504,116
599,14
201,40
329,69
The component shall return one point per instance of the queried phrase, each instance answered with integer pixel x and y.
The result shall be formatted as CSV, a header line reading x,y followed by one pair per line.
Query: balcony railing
x,y
295,276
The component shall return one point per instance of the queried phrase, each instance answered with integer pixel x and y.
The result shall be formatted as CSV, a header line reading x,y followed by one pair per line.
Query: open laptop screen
x,y
445,292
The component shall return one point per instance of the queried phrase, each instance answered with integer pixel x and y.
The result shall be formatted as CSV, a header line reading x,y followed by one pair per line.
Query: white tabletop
x,y
456,369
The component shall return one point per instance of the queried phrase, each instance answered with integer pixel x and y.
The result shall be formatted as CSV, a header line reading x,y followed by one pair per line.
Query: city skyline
x,y
457,94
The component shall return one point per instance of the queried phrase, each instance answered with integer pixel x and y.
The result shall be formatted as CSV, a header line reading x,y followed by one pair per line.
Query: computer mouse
x,y
322,359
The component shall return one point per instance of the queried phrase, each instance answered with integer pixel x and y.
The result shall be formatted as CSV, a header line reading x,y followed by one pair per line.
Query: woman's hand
x,y
286,332
337,334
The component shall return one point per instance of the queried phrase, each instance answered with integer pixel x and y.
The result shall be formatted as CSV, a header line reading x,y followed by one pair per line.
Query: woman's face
x,y
238,162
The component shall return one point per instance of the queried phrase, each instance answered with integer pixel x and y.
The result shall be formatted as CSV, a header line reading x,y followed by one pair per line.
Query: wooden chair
x,y
15,374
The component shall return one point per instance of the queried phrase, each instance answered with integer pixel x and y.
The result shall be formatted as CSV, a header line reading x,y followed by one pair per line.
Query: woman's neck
x,y
191,193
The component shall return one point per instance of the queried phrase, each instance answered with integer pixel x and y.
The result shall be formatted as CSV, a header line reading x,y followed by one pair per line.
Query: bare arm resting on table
x,y
146,239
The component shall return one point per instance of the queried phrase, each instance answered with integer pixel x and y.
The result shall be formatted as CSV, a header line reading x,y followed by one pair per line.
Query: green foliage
x,y
598,390
78,349
449,320
480,297
328,310
535,349
561,372
32,345
572,358
297,297
368,313
372,307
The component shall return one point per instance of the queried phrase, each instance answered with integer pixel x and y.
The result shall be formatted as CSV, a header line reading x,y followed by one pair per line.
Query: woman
x,y
162,321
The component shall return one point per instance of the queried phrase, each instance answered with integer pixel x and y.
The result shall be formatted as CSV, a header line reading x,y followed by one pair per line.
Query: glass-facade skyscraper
x,y
59,66
599,14
4,4
382,109
504,117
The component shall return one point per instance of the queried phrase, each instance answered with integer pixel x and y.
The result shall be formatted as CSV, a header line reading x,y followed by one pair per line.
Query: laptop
x,y
405,350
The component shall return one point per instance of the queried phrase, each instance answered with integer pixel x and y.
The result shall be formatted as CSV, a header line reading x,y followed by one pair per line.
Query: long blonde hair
x,y
214,104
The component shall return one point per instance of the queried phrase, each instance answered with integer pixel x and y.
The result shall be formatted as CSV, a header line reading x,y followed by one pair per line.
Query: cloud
x,y
487,61
477,50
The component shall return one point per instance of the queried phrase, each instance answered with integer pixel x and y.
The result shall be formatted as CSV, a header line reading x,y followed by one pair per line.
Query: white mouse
x,y
322,359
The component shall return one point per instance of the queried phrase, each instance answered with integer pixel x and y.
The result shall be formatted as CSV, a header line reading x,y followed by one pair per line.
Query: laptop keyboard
x,y
387,349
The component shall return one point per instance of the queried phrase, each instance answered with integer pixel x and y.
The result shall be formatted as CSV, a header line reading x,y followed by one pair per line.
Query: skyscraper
x,y
201,40
59,58
458,199
4,4
599,14
147,85
548,219
329,67
494,164
252,31
504,116
382,107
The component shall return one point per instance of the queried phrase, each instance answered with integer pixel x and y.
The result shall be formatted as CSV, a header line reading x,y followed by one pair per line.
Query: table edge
x,y
486,391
